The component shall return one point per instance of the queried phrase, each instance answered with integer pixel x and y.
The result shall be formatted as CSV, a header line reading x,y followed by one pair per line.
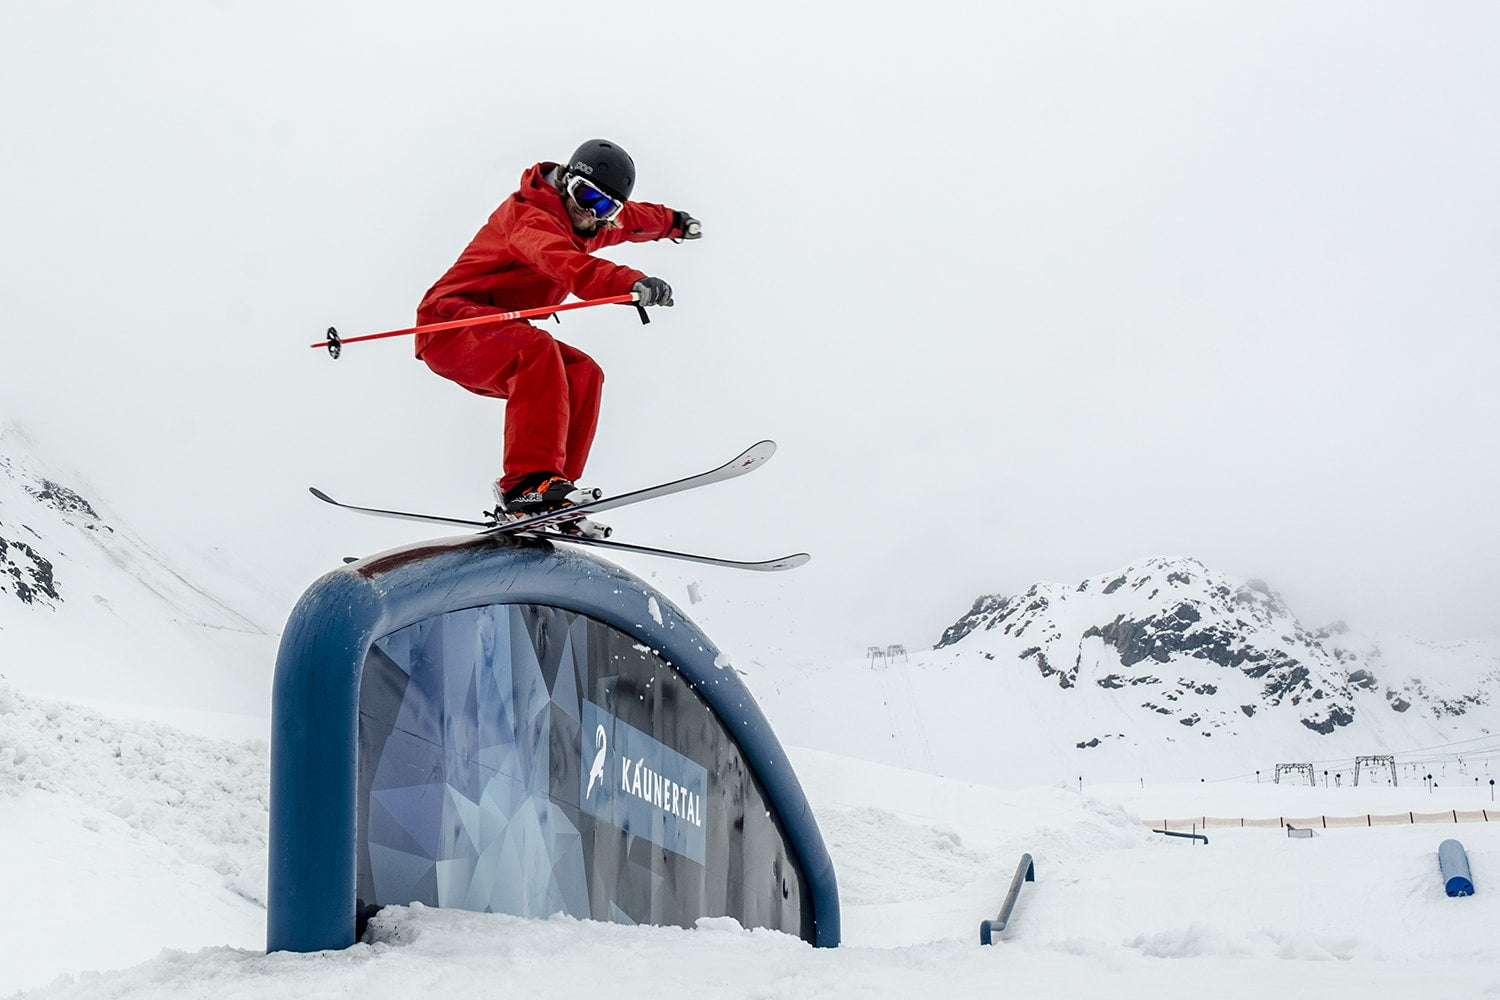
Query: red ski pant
x,y
551,390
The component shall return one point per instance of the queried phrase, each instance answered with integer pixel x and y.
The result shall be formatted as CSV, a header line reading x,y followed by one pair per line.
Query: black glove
x,y
689,227
652,292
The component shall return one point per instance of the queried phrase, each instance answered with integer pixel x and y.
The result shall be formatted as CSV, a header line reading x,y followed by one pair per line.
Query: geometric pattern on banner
x,y
479,787
458,810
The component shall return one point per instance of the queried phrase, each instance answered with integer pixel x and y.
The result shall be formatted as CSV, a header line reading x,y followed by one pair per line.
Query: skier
x,y
535,249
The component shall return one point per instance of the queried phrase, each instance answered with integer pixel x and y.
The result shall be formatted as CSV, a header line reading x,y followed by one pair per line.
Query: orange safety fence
x,y
1194,823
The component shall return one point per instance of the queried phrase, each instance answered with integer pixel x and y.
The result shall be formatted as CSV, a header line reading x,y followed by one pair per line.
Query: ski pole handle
x,y
335,343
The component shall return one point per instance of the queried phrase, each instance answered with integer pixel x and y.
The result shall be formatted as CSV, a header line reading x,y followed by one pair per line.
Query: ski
x,y
748,460
763,566
537,525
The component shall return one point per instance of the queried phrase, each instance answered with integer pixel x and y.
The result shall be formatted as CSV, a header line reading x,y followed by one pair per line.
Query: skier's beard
x,y
591,226
585,223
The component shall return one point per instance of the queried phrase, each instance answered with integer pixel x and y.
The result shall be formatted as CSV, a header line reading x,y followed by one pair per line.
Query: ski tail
x,y
401,515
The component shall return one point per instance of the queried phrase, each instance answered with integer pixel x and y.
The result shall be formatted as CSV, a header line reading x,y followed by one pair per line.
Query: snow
x,y
123,837
133,833
143,875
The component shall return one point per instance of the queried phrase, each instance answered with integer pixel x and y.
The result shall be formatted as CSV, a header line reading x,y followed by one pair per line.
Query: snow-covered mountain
x,y
91,611
1163,669
1180,640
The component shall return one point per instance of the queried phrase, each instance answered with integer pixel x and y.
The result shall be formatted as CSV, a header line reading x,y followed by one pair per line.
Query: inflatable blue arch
x,y
509,726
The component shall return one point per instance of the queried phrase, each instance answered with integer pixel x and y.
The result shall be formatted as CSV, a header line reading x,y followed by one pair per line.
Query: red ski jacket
x,y
527,255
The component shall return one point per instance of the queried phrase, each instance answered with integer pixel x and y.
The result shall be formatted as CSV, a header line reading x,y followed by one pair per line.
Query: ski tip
x,y
321,495
757,453
789,562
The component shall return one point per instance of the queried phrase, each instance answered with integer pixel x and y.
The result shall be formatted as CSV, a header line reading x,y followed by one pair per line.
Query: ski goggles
x,y
591,199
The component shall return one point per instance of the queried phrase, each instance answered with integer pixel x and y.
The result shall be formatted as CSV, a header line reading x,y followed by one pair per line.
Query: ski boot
x,y
542,493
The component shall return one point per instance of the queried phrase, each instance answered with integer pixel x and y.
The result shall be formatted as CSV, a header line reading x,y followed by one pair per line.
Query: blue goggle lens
x,y
591,199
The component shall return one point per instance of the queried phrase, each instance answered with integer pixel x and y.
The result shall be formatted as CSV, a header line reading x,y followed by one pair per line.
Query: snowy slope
x,y
921,861
89,610
122,837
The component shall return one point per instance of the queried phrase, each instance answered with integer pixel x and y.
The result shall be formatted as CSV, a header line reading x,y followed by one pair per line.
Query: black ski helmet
x,y
607,167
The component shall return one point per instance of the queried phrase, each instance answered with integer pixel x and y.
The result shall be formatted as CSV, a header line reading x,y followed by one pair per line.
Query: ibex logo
x,y
596,770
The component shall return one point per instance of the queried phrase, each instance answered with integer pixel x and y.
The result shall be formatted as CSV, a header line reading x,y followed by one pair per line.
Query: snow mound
x,y
205,799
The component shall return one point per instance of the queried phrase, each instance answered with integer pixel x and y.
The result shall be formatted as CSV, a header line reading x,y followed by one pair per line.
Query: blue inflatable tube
x,y
315,727
1454,864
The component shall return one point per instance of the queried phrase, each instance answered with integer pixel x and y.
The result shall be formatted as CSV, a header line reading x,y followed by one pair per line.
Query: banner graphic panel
x,y
529,760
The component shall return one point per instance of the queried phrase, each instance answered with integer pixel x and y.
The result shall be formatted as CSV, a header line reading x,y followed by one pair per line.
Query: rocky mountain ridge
x,y
1174,638
25,570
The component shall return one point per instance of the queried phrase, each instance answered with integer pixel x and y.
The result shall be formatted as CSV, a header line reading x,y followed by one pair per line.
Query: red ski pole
x,y
335,343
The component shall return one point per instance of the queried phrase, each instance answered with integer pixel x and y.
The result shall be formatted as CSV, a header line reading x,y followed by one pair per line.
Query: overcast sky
x,y
1024,291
